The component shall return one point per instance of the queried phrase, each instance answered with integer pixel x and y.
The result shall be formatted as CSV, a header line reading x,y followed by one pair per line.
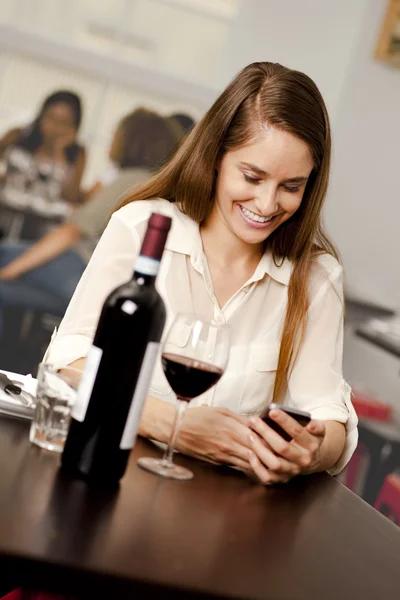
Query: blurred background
x,y
172,58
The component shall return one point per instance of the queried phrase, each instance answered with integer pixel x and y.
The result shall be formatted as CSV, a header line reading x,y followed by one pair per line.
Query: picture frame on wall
x,y
388,46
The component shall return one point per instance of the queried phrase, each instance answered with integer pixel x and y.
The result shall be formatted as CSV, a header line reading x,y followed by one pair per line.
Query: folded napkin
x,y
14,406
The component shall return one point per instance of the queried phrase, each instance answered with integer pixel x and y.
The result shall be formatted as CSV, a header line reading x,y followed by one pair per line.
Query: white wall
x,y
314,36
186,39
118,54
333,42
363,212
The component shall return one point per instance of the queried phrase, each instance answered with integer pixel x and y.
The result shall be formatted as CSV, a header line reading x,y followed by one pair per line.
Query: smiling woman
x,y
245,192
261,185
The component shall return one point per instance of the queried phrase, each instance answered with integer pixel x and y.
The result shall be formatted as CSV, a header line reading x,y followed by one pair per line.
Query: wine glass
x,y
194,356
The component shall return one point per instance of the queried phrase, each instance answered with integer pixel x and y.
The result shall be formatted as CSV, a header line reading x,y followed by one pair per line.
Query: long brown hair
x,y
262,93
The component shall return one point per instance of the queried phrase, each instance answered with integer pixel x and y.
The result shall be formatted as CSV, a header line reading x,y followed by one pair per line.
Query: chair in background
x,y
378,451
28,334
388,501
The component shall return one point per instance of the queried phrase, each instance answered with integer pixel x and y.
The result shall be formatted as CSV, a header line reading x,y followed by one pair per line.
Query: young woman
x,y
245,191
45,157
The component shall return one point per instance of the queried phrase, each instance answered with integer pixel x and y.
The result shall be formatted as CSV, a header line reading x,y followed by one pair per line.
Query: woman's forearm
x,y
157,416
157,419
333,445
47,248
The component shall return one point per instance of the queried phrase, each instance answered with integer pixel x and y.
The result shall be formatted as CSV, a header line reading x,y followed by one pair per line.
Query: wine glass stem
x,y
179,414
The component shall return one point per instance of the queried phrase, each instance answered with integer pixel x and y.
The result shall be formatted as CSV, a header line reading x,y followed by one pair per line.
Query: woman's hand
x,y
216,435
274,460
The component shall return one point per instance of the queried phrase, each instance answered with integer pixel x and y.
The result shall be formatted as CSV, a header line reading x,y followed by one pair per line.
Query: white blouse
x,y
255,313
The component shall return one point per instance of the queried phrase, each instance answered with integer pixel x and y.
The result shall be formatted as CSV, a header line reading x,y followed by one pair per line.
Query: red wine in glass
x,y
189,377
194,356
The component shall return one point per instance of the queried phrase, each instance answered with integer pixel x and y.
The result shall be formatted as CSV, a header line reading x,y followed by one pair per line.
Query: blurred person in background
x,y
44,275
45,158
180,124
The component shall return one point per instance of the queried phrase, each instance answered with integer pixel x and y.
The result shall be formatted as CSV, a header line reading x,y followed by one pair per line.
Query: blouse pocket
x,y
179,338
260,379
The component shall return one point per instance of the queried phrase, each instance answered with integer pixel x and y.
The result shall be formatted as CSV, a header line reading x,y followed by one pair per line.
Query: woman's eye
x,y
291,188
251,179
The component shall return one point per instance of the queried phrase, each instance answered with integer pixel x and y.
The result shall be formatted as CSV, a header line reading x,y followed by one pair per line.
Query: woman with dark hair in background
x,y
44,275
45,159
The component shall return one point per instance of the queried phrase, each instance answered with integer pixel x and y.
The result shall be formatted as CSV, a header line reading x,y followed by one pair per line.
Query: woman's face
x,y
57,122
261,185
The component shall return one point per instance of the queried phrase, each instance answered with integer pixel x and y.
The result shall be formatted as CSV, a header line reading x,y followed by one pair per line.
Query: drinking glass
x,y
194,356
56,394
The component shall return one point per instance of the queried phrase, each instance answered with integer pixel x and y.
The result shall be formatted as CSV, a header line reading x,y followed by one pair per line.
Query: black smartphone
x,y
301,417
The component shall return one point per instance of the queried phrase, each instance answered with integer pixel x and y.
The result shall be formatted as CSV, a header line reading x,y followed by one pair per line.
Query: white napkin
x,y
11,405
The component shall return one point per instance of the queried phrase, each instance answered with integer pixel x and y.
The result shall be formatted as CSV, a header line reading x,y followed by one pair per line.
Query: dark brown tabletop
x,y
218,535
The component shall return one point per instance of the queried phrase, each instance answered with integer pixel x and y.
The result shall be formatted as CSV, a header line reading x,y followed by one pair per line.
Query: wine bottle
x,y
118,368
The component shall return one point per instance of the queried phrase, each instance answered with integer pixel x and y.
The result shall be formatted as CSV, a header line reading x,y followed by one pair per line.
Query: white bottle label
x,y
87,382
147,266
142,387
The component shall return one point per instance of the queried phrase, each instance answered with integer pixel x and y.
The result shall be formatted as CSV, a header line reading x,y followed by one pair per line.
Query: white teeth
x,y
253,216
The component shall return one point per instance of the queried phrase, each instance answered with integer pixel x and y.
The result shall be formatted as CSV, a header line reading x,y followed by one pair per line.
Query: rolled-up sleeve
x,y
111,264
316,383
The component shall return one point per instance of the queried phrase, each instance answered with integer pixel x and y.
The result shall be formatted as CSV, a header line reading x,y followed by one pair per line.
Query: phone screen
x,y
302,418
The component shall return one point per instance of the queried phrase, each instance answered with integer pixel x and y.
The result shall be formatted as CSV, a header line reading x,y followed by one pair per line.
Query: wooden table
x,y
217,536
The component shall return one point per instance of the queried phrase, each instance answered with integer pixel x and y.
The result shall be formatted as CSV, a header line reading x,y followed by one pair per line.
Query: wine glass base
x,y
160,467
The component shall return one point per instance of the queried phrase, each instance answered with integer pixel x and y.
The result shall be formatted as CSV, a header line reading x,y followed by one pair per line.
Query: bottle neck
x,y
149,259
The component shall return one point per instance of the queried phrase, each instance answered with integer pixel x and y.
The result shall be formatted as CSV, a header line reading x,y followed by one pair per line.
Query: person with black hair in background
x,y
51,141
44,163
